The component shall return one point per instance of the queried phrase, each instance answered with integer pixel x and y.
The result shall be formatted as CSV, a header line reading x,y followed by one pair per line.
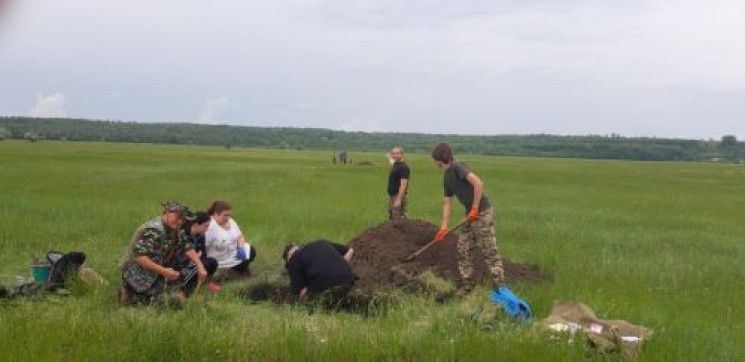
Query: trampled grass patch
x,y
657,244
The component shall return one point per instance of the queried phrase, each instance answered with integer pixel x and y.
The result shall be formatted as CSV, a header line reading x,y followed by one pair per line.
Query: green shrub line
x,y
613,146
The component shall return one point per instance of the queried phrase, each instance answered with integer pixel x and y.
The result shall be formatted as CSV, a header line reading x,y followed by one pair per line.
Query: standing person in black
x,y
319,269
398,184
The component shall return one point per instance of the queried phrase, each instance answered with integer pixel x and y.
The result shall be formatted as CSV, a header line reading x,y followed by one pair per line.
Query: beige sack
x,y
606,336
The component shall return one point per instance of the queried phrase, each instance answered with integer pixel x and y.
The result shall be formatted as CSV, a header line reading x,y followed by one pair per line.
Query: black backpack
x,y
63,266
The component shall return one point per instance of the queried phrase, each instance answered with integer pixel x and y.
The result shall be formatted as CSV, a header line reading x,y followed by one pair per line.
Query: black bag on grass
x,y
63,267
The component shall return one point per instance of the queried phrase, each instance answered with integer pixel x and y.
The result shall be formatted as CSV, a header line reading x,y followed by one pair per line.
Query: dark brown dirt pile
x,y
379,251
377,261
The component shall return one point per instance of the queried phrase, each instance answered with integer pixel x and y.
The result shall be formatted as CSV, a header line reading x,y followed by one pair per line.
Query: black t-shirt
x,y
199,244
197,240
319,265
399,171
455,183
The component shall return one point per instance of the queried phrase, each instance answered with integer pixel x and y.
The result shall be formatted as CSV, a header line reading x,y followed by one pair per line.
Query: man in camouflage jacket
x,y
148,269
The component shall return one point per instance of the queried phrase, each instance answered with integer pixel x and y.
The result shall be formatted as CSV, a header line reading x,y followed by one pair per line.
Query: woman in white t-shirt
x,y
225,242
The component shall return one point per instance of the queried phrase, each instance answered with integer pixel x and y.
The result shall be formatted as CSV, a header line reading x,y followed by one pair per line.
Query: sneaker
x,y
214,288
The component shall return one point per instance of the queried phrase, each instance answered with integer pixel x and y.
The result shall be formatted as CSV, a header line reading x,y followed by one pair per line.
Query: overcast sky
x,y
667,68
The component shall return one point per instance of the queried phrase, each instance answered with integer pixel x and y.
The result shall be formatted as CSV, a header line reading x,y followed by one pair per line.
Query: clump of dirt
x,y
365,163
379,251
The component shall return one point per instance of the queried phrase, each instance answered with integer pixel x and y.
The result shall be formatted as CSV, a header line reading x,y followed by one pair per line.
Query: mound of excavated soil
x,y
377,262
378,254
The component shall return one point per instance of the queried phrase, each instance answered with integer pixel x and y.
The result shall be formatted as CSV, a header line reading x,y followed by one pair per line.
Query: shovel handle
x,y
434,241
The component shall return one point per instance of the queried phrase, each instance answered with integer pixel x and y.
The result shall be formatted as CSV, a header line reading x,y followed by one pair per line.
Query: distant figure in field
x,y
460,181
225,242
398,184
319,270
148,266
341,158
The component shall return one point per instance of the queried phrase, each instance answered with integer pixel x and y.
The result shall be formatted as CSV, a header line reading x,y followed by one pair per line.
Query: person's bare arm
x,y
446,212
401,193
242,238
201,270
348,255
478,188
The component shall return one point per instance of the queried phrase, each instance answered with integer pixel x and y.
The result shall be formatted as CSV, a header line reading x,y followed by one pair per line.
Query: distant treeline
x,y
728,148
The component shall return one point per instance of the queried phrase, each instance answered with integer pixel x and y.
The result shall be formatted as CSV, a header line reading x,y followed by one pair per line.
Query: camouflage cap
x,y
179,208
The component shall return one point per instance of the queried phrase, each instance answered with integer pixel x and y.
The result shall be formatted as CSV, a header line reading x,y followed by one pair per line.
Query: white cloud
x,y
214,109
54,105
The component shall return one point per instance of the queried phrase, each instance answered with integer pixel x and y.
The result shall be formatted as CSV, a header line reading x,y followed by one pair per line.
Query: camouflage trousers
x,y
479,233
396,213
155,294
160,289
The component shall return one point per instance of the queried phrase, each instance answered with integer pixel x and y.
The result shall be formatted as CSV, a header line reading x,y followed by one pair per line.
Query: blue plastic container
x,y
40,273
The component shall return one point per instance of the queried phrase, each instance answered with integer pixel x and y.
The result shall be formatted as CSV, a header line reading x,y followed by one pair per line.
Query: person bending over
x,y
319,269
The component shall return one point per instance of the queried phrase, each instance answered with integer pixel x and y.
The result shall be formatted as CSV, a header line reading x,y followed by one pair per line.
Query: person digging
x,y
319,271
460,181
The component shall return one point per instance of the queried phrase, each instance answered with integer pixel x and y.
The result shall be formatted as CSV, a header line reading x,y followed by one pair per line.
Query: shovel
x,y
429,245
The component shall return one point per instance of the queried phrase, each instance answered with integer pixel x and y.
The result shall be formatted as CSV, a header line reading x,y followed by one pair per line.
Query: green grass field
x,y
658,244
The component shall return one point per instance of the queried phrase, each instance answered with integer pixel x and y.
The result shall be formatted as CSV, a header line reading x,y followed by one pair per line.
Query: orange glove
x,y
440,236
474,214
